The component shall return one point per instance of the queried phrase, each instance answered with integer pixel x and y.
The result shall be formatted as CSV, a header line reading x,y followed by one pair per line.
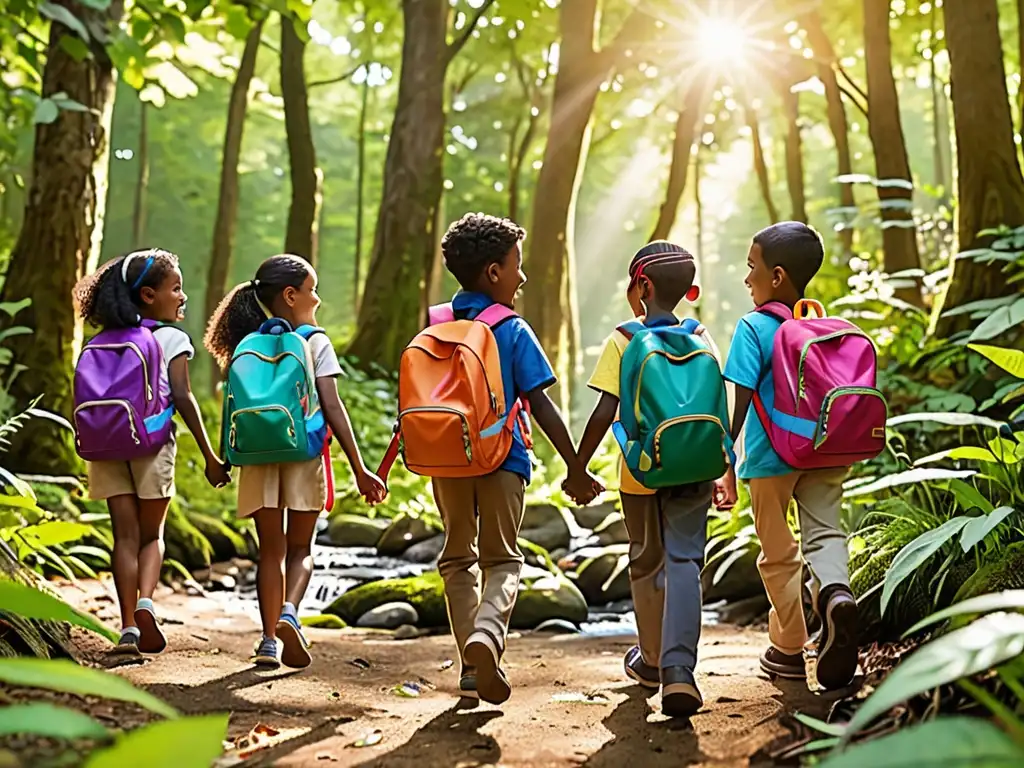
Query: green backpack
x,y
271,407
673,425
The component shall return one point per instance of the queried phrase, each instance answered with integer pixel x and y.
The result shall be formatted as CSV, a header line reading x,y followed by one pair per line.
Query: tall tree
x,y
60,233
892,166
582,66
364,103
219,271
794,151
393,308
989,184
306,178
760,165
142,182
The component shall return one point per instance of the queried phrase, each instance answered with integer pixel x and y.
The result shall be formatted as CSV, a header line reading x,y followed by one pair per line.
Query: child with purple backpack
x,y
816,411
129,381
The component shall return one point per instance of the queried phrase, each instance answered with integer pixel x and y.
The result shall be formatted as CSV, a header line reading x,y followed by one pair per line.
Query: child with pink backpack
x,y
816,411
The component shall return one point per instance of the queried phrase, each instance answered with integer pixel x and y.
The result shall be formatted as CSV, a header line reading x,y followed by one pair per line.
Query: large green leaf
x,y
997,601
55,532
949,742
969,496
1000,321
950,419
68,677
910,558
32,604
41,719
188,742
986,643
1010,360
907,477
979,527
61,14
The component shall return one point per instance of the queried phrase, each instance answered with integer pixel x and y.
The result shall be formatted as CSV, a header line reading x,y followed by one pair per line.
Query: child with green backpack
x,y
663,378
281,405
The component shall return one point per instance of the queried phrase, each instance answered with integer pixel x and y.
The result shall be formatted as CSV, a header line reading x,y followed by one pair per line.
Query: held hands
x,y
581,486
724,495
370,486
217,473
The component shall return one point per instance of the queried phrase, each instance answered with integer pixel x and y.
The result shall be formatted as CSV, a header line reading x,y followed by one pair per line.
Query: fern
x,y
14,424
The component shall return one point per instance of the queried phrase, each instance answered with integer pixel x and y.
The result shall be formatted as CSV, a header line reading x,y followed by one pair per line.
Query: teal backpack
x,y
271,407
673,425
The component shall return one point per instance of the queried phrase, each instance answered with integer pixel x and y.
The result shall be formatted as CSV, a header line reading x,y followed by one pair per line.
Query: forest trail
x,y
340,699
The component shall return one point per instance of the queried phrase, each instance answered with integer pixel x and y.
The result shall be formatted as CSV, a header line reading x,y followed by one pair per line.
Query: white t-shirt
x,y
174,342
325,359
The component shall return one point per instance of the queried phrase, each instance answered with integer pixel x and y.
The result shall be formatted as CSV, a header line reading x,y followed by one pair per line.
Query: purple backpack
x,y
827,410
123,407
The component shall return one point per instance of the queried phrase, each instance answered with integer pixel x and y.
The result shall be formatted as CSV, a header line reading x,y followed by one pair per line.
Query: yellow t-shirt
x,y
605,378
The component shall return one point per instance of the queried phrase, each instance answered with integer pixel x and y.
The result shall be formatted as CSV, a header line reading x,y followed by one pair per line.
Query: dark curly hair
x,y
243,311
668,266
476,241
110,296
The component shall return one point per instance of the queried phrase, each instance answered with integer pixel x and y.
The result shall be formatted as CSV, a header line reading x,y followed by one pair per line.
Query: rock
x,y
545,598
404,532
408,632
545,525
612,530
426,551
558,627
345,530
223,583
323,621
604,578
740,581
592,516
745,612
388,616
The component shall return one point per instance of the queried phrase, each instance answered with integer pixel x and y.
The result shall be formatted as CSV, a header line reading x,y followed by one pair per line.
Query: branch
x,y
638,25
459,43
339,79
850,80
854,100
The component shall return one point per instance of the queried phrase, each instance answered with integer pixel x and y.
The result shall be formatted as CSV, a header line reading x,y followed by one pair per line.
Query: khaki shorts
x,y
300,486
151,477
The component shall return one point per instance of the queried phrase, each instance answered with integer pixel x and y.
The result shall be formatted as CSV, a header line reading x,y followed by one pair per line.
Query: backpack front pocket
x,y
688,449
433,436
265,429
109,426
852,421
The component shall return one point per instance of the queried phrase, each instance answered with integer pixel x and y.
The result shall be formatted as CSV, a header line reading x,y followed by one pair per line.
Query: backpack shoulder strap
x,y
440,313
776,309
275,325
630,329
308,331
495,314
689,325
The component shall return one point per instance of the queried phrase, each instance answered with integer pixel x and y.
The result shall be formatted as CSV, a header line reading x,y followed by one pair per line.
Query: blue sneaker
x,y
637,670
267,653
296,646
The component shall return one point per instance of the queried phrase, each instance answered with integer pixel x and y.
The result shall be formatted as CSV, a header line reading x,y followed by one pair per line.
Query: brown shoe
x,y
837,646
482,654
787,665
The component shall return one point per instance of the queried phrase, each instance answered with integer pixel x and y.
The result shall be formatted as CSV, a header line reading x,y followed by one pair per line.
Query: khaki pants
x,y
818,496
482,517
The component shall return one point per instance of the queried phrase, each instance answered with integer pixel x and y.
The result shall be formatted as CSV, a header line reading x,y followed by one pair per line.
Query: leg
x,y
647,583
270,572
456,501
299,562
152,514
124,518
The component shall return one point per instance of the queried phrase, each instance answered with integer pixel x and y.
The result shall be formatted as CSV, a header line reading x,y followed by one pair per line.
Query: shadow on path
x,y
451,737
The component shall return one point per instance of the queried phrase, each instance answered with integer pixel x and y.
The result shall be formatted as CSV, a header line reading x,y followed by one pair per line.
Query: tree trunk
x,y
59,240
940,118
691,112
698,205
825,57
357,281
1020,59
142,183
28,637
990,188
219,272
303,213
794,155
760,166
391,311
896,197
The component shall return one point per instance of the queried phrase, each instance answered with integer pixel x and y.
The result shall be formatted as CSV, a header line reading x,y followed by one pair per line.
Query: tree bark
x,y
142,183
760,166
219,271
581,70
794,156
357,280
691,112
940,118
59,240
989,184
28,637
825,57
899,234
1020,59
303,213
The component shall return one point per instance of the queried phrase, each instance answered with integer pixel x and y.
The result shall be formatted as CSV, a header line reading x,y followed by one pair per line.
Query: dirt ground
x,y
571,704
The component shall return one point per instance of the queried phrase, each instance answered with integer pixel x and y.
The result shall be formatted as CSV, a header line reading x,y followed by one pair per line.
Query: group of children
x,y
468,386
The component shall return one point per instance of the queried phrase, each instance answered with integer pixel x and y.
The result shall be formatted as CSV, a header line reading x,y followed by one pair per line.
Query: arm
x,y
580,484
185,404
337,418
597,427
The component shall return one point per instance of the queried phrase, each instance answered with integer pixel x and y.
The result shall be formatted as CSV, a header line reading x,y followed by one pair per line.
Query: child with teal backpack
x,y
281,405
663,378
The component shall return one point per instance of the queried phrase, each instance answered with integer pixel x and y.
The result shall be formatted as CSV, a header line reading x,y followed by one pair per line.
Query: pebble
x,y
389,616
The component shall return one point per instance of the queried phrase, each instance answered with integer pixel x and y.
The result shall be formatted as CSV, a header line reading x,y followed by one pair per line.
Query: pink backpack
x,y
827,410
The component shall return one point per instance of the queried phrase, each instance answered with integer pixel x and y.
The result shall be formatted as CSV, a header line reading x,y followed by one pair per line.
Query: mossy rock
x,y
323,621
185,542
403,532
604,578
345,530
546,598
1005,572
225,541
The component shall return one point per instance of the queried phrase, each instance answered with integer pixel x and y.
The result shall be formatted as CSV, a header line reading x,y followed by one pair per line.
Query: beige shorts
x,y
300,486
149,478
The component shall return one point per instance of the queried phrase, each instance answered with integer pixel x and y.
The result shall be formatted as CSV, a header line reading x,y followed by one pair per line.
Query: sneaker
x,y
837,645
295,653
679,694
482,654
267,653
151,639
787,665
128,644
637,670
469,697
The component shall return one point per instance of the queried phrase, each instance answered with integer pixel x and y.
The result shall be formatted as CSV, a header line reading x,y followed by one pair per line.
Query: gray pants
x,y
667,533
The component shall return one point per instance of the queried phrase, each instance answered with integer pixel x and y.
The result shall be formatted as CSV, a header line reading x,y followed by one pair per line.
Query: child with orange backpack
x,y
466,385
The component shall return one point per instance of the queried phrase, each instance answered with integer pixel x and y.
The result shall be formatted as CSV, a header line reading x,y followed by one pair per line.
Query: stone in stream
x,y
545,525
592,516
741,579
403,532
344,530
558,627
389,616
612,530
426,551
604,577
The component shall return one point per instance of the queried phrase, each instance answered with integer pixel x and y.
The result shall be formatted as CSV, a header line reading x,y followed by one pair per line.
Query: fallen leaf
x,y
262,736
446,664
369,738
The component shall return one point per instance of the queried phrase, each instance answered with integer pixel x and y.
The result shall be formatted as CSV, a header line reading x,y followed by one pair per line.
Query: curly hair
x,y
243,311
110,296
476,241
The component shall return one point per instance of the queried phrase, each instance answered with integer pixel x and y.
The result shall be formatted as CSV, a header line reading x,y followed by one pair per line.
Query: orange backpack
x,y
452,417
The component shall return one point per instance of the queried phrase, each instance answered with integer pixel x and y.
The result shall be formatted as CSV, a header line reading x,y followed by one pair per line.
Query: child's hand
x,y
370,486
725,492
582,487
217,473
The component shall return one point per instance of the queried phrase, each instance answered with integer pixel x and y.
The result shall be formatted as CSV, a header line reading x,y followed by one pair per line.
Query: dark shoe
x,y
837,646
267,654
151,639
637,670
679,694
295,653
468,695
787,665
482,654
128,645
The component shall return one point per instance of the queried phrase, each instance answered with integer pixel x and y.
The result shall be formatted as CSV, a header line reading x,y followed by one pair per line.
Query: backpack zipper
x,y
276,359
466,442
821,433
234,415
673,358
123,403
801,384
135,348
672,422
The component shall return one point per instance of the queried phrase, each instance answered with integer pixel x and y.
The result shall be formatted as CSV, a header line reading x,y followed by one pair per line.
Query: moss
x,y
425,593
1005,572
323,621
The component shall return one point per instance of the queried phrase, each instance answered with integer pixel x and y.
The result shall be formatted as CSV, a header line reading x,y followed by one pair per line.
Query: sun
x,y
721,40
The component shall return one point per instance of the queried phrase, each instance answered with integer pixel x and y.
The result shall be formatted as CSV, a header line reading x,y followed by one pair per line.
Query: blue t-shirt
x,y
749,365
524,367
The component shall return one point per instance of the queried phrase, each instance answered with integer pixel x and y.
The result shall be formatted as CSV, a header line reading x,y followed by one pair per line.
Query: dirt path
x,y
337,700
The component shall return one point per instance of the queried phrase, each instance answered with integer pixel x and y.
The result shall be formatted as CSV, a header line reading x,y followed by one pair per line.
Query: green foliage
x,y
188,742
995,601
32,603
50,721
